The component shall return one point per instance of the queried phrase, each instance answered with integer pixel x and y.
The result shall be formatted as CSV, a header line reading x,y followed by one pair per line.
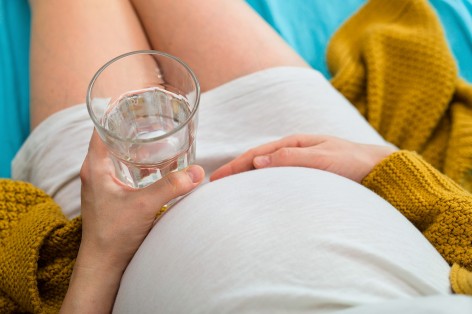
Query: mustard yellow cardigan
x,y
391,61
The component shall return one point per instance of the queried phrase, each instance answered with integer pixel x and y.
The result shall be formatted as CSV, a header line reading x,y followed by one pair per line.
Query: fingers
x,y
236,166
289,156
98,165
246,161
175,184
240,164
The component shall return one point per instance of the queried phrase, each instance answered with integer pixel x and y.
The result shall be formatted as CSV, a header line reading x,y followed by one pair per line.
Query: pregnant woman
x,y
301,235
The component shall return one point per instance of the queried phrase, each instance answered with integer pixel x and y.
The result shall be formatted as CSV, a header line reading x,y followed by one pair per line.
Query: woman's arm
x,y
115,219
93,285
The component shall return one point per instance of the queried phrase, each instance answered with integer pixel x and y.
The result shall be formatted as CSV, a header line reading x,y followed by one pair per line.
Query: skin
x,y
71,40
219,40
342,157
116,219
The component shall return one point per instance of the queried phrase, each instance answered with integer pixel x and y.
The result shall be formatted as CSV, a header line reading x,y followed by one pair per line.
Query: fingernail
x,y
194,173
261,161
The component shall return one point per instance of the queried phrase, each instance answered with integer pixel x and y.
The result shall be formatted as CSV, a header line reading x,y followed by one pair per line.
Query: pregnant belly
x,y
278,240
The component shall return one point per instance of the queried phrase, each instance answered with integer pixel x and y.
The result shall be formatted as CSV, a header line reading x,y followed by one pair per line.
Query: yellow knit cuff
x,y
405,171
461,280
37,251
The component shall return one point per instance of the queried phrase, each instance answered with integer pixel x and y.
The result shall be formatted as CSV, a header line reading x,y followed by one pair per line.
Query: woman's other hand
x,y
345,158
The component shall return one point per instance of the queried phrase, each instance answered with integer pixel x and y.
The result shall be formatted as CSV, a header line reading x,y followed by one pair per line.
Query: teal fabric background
x,y
14,79
456,18
307,25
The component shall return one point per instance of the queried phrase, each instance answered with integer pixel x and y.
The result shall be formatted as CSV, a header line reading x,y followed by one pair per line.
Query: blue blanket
x,y
307,25
14,79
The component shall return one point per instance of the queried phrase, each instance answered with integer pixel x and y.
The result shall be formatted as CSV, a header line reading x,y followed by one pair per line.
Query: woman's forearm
x,y
93,285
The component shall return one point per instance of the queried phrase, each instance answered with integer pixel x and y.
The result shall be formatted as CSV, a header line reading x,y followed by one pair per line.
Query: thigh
x,y
220,40
70,40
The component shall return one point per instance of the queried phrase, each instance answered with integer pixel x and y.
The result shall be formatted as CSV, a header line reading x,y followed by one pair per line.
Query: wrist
x,y
381,153
93,259
93,286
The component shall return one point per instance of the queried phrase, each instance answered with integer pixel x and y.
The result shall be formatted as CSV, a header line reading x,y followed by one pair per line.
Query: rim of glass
x,y
92,115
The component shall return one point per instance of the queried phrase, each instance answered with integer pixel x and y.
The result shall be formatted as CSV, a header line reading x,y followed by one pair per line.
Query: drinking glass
x,y
144,105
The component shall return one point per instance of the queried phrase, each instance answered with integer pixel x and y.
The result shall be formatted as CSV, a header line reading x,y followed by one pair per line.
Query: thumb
x,y
176,184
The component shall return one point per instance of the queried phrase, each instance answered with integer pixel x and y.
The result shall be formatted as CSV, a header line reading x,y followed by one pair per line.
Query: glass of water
x,y
144,105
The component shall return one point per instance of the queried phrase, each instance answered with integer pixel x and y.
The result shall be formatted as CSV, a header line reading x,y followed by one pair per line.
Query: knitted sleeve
x,y
38,246
391,60
435,204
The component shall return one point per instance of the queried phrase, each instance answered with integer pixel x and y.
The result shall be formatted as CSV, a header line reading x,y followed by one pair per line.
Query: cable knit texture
x,y
391,60
38,246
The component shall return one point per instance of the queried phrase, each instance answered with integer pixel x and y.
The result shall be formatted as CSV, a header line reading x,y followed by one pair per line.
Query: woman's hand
x,y
116,219
348,159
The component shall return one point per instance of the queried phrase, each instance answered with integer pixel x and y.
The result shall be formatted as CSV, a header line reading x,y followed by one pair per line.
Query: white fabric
x,y
233,118
328,243
52,156
437,304
272,104
280,240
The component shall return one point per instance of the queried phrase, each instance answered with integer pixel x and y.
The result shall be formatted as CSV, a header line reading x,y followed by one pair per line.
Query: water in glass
x,y
139,117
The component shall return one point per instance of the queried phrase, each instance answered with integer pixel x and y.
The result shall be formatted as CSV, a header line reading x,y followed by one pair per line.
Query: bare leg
x,y
70,41
219,39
